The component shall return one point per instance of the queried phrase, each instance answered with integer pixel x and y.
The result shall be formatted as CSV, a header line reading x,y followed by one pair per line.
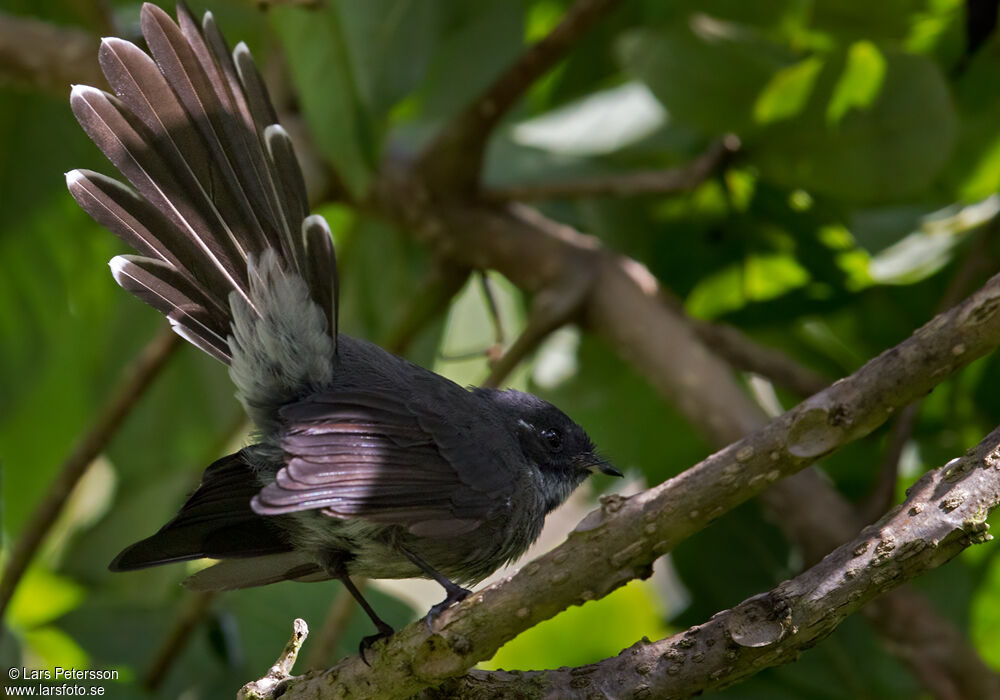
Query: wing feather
x,y
362,454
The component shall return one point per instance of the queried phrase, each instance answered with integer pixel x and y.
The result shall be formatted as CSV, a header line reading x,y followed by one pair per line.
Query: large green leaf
x,y
850,144
316,45
706,72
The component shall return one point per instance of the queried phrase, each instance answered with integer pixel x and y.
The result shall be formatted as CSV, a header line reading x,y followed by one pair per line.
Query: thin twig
x,y
135,380
628,184
493,308
337,619
744,353
453,160
436,292
196,605
273,683
551,308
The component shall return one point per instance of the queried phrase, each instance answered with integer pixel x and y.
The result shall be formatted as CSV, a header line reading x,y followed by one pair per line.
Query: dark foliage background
x,y
864,197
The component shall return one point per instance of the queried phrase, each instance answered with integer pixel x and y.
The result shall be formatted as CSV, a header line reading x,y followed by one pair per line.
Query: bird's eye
x,y
553,438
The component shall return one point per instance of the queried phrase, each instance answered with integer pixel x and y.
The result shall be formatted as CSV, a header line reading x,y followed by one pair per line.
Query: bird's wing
x,y
369,455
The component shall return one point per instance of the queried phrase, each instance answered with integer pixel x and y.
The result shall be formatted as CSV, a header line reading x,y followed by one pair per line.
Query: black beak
x,y
593,462
608,469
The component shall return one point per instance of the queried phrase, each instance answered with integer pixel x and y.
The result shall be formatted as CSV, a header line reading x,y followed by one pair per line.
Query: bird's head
x,y
551,441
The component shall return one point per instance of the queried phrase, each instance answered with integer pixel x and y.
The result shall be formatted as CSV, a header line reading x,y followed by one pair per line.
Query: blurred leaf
x,y
599,123
787,92
985,613
49,647
974,172
759,278
568,639
889,19
390,44
478,41
859,84
42,597
316,46
706,72
892,148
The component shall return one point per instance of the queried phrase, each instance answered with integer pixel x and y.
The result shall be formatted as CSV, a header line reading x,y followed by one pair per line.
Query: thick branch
x,y
744,353
664,181
639,529
136,378
47,57
944,513
454,158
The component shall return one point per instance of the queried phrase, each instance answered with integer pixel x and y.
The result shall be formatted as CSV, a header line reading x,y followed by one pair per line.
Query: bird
x,y
362,464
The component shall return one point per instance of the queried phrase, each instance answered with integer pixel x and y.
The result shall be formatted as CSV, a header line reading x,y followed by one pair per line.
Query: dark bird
x,y
364,464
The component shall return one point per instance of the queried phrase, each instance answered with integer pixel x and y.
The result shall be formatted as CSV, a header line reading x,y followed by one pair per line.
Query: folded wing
x,y
362,455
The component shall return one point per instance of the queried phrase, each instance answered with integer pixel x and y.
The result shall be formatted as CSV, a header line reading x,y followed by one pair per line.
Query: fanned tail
x,y
216,185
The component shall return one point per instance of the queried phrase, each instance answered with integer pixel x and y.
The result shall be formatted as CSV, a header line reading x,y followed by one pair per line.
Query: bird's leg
x,y
455,593
335,567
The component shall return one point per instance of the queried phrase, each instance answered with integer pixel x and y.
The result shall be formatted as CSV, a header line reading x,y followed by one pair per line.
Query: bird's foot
x,y
384,632
456,594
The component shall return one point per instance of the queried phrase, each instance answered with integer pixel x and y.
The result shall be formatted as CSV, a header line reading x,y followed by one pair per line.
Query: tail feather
x,y
215,522
127,143
266,180
320,257
234,574
120,209
173,294
290,188
217,186
196,82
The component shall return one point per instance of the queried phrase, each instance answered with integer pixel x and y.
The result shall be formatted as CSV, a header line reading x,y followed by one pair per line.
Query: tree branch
x,y
664,181
742,352
944,513
639,529
454,158
196,604
134,382
47,57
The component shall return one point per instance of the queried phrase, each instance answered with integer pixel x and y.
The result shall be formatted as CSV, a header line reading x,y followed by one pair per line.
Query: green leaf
x,y
318,56
568,639
390,44
892,148
479,40
707,73
41,597
788,91
974,172
860,82
759,278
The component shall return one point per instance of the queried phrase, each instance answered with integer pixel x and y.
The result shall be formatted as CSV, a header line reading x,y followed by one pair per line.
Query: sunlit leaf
x,y
787,92
859,84
569,638
893,148
42,597
760,278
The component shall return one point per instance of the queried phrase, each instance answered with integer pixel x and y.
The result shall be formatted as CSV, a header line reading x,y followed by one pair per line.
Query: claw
x,y
456,594
384,632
